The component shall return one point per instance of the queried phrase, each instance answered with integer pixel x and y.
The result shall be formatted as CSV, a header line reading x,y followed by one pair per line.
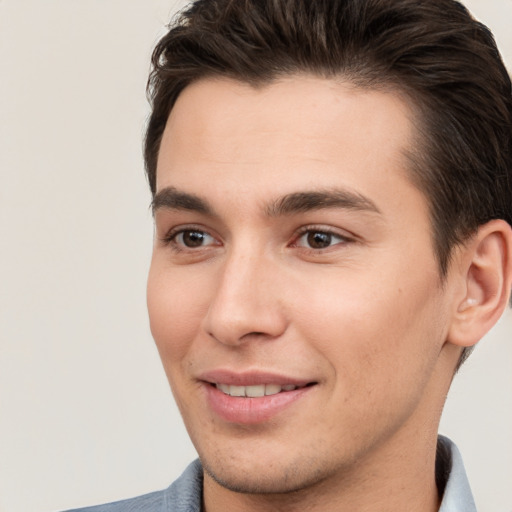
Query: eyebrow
x,y
297,202
173,199
300,202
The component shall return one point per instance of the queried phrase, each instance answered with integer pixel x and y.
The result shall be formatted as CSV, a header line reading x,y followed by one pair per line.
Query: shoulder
x,y
152,502
184,495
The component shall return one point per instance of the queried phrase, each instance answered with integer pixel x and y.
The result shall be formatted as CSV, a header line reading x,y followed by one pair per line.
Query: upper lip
x,y
251,378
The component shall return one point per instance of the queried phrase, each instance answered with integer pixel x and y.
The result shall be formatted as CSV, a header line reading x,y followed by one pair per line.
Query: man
x,y
332,192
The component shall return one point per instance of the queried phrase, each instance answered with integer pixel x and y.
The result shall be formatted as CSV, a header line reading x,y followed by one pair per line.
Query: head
x,y
434,53
239,70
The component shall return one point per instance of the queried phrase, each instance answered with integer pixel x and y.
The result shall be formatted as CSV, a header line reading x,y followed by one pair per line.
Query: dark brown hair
x,y
432,51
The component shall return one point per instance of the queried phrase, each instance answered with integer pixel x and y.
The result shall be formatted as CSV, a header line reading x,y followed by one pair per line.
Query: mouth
x,y
257,391
253,397
254,403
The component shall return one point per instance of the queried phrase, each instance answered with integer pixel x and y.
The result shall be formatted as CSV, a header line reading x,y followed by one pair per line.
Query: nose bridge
x,y
245,302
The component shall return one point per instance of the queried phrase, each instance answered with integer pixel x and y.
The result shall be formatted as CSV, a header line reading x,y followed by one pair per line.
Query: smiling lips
x,y
255,391
251,399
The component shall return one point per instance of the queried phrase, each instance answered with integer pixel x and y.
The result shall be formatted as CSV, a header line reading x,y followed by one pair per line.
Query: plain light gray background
x,y
85,411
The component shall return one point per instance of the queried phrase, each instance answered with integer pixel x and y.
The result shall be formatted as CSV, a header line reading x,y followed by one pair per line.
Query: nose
x,y
245,304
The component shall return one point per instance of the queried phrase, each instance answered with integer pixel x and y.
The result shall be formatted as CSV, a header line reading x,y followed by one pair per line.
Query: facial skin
x,y
291,242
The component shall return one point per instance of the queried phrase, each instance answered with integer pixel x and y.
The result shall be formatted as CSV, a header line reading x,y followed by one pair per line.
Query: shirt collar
x,y
185,495
457,496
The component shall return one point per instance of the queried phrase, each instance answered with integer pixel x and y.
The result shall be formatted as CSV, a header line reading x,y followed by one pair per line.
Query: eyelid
x,y
342,234
322,228
169,238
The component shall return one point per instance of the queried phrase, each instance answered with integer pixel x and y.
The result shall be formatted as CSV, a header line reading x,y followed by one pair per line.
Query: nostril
x,y
254,334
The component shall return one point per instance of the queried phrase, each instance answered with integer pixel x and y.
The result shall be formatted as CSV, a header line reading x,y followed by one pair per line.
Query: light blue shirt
x,y
185,494
457,495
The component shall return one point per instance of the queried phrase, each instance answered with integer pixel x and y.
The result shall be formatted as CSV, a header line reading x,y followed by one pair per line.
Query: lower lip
x,y
246,411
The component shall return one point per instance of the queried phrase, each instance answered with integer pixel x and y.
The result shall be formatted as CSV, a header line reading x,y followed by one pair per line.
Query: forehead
x,y
294,133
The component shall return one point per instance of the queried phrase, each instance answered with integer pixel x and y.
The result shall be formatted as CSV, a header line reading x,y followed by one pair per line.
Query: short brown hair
x,y
433,51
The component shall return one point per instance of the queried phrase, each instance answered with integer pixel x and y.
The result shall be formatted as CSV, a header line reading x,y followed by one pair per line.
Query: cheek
x,y
372,333
381,354
176,307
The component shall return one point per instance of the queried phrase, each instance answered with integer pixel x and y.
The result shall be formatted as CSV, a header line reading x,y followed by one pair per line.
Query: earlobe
x,y
487,274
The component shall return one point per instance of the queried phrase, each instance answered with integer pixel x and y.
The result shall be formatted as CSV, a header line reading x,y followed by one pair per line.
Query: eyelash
x,y
171,238
344,239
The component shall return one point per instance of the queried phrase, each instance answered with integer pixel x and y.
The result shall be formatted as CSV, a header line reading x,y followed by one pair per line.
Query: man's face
x,y
293,257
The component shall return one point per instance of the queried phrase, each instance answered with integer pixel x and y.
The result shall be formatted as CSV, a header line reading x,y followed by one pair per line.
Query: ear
x,y
486,278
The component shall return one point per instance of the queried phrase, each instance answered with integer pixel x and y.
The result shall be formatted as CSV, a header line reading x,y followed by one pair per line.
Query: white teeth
x,y
237,390
254,391
272,389
224,388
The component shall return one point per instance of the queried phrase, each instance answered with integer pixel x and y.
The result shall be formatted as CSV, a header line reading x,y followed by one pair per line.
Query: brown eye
x,y
318,239
194,238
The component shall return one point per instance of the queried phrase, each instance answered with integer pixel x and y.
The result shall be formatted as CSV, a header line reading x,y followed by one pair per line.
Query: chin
x,y
266,477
